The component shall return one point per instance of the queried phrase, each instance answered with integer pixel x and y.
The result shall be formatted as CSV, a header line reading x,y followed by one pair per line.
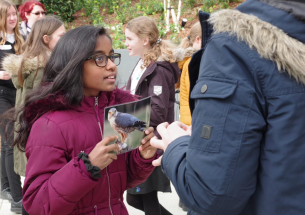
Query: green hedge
x,y
62,8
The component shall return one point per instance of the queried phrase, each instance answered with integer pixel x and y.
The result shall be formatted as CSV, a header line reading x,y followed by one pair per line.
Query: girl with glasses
x,y
10,43
30,12
154,75
70,168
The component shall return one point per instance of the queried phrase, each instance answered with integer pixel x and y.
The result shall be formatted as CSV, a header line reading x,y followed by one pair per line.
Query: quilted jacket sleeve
x,y
215,170
48,187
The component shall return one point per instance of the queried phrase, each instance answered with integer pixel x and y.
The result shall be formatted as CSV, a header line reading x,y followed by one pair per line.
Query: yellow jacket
x,y
185,113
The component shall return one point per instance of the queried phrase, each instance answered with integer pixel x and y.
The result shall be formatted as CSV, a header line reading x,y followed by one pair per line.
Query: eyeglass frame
x,y
107,57
40,12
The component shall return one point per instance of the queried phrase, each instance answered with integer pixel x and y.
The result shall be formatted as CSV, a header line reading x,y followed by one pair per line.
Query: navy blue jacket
x,y
246,154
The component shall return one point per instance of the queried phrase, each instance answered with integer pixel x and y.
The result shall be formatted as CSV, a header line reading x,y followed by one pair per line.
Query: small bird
x,y
124,123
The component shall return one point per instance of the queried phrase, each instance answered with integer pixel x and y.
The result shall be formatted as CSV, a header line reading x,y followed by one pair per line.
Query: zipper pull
x,y
96,101
95,209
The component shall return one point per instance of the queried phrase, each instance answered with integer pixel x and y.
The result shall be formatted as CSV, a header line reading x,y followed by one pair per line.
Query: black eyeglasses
x,y
38,13
101,59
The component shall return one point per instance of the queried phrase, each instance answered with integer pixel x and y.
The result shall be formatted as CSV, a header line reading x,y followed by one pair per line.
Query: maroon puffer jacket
x,y
57,182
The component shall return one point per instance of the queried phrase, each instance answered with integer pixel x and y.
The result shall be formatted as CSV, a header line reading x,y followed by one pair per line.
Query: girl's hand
x,y
4,75
100,155
146,150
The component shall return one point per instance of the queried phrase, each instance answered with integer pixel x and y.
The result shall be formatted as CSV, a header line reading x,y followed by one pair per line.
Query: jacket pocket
x,y
212,105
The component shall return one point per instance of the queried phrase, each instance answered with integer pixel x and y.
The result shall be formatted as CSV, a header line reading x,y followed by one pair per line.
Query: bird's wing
x,y
140,124
126,120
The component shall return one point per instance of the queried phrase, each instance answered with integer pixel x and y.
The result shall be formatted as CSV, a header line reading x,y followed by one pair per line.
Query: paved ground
x,y
168,200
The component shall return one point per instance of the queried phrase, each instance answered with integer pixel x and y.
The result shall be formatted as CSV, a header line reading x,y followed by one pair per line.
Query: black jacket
x,y
164,75
3,53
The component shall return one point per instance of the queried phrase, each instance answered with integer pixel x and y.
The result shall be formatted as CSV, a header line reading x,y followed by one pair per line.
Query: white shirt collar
x,y
9,37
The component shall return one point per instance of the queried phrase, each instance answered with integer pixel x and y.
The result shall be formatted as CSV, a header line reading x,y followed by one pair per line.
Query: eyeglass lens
x,y
101,60
42,13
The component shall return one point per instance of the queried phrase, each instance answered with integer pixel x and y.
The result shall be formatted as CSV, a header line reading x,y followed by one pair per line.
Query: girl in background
x,y
191,44
154,75
10,43
30,12
26,70
70,168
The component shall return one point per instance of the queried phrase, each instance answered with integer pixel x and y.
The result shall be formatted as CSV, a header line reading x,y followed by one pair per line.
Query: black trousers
x,y
23,211
8,176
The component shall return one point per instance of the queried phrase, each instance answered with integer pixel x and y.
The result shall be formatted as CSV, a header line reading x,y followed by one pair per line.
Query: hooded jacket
x,y
32,76
158,81
246,152
185,113
56,180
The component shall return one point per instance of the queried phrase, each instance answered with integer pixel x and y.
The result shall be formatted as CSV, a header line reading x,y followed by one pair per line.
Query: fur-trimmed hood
x,y
269,41
179,54
11,64
190,51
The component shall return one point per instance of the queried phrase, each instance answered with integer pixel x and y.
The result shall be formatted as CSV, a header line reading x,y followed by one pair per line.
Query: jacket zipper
x,y
99,124
95,209
123,203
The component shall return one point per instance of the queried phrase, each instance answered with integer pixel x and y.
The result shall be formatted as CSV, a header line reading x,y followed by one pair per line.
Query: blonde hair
x,y
4,7
189,40
35,45
146,27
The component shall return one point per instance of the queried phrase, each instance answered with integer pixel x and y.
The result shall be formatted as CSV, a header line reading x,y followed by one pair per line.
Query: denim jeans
x,y
8,176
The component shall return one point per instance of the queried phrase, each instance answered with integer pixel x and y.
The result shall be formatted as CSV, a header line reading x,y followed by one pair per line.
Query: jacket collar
x,y
146,73
268,39
23,28
104,99
88,103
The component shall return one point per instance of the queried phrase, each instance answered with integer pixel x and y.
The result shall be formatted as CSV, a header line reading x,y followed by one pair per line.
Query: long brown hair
x,y
4,7
35,46
146,27
189,40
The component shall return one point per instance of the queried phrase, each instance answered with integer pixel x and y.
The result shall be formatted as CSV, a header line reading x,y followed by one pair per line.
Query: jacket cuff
x,y
171,147
83,168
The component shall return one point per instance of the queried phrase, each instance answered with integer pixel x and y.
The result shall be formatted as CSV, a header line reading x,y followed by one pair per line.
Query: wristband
x,y
94,170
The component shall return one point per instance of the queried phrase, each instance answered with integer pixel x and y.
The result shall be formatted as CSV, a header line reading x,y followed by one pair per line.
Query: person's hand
x,y
4,75
101,155
169,133
146,150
